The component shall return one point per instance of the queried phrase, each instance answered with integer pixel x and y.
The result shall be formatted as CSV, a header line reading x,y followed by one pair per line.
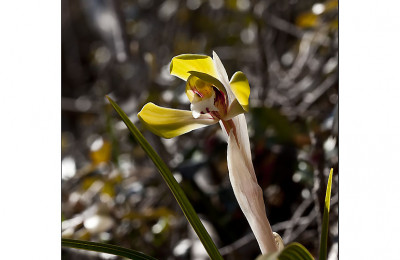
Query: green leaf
x,y
293,251
325,221
177,191
105,248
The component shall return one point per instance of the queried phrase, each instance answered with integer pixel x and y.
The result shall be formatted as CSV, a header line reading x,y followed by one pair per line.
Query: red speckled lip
x,y
220,101
197,92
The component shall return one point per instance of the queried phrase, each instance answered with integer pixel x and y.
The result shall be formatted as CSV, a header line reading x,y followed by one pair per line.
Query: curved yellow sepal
x,y
182,64
241,89
168,123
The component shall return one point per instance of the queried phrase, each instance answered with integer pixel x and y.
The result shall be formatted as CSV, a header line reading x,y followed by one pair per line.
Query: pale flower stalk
x,y
216,99
243,179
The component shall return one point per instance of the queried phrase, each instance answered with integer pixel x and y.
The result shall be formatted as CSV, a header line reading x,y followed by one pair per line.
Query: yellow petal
x,y
182,64
168,123
241,89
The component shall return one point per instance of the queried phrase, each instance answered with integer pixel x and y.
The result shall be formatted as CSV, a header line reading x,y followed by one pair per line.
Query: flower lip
x,y
205,98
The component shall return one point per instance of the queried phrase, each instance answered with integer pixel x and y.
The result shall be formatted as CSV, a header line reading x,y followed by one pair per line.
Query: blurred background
x,y
112,192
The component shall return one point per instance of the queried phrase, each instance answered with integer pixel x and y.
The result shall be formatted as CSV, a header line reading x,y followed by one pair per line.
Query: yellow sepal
x,y
182,64
168,123
241,89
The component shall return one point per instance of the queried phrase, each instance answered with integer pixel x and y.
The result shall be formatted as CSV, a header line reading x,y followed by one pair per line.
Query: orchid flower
x,y
215,99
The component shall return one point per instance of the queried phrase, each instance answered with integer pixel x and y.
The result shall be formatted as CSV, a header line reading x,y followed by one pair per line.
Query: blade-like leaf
x,y
177,191
293,251
105,248
325,221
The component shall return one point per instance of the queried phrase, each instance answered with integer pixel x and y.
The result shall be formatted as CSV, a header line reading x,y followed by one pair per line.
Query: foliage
x,y
325,221
105,248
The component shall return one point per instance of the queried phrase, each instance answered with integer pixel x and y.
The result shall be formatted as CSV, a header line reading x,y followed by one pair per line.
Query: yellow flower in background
x,y
214,98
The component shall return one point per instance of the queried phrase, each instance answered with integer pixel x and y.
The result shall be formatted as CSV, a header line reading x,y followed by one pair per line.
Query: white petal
x,y
223,76
247,191
243,136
